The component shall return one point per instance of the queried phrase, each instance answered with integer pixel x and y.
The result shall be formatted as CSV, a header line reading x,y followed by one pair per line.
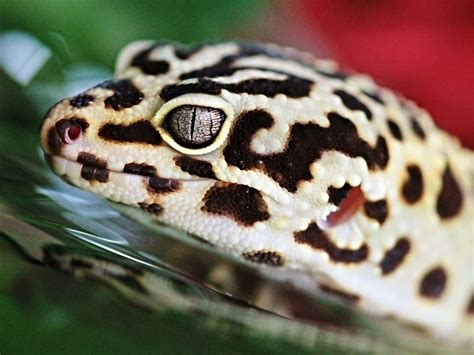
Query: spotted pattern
x,y
92,173
377,210
394,257
395,130
91,160
412,188
139,169
125,94
305,145
353,103
153,208
433,283
81,100
375,97
292,87
450,199
195,167
242,203
259,194
266,257
159,185
184,53
317,239
417,129
137,132
148,66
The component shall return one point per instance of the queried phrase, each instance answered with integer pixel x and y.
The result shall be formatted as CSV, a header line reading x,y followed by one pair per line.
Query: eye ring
x,y
194,126
211,115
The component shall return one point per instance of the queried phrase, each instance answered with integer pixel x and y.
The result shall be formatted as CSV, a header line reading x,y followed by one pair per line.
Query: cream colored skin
x,y
432,241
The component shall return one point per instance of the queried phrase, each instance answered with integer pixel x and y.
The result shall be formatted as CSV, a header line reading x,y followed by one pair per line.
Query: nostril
x,y
71,134
70,130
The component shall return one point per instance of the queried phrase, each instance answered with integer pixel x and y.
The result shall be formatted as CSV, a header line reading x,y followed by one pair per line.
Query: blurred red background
x,y
423,49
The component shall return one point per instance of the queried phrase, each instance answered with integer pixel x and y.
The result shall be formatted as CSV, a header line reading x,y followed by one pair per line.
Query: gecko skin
x,y
314,176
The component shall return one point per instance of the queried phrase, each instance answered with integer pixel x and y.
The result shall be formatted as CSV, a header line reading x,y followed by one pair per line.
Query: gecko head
x,y
226,131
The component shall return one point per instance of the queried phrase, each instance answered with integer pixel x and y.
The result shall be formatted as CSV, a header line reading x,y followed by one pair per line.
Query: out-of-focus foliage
x,y
94,31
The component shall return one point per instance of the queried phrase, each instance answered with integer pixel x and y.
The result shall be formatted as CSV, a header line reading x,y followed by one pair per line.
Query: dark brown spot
x,y
162,186
336,195
91,160
137,132
293,86
306,143
395,130
415,125
139,169
377,210
433,283
380,154
394,257
91,173
333,75
242,203
226,67
374,96
195,167
353,103
412,188
470,306
346,296
450,199
150,67
317,239
125,94
81,100
152,208
184,53
54,141
271,258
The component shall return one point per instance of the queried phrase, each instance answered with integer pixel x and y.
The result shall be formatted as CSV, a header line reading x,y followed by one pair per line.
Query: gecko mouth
x,y
95,170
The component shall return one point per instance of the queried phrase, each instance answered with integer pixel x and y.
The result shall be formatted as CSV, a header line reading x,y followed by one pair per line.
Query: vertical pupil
x,y
194,126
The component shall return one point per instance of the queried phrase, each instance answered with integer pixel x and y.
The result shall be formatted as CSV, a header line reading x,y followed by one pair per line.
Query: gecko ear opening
x,y
347,208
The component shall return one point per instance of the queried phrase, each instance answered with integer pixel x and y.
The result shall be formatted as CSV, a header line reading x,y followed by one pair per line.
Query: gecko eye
x,y
194,126
347,208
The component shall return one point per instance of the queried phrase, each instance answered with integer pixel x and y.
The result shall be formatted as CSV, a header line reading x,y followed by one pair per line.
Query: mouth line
x,y
97,170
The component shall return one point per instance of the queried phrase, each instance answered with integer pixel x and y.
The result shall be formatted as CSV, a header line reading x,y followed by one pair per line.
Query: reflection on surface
x,y
163,270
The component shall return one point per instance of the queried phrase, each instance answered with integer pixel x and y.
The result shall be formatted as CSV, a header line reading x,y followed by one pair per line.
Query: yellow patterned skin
x,y
312,175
